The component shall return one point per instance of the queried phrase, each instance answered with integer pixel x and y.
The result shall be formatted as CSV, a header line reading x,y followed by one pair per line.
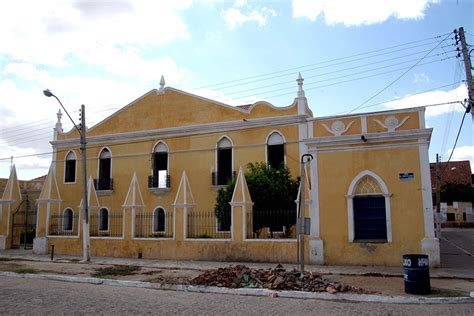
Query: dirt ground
x,y
376,284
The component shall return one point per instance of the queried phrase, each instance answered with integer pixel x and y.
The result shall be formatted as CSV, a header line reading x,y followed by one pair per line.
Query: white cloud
x,y
27,167
463,153
420,78
432,97
49,32
235,16
353,13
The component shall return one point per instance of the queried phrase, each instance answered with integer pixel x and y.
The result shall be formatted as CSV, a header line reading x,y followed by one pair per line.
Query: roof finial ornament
x,y
300,80
59,125
162,84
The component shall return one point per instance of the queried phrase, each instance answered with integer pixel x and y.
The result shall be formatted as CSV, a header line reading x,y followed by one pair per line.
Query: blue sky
x,y
105,54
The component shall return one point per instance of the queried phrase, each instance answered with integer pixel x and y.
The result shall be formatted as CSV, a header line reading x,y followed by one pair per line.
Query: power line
x,y
336,71
147,140
455,142
400,76
48,125
336,83
313,64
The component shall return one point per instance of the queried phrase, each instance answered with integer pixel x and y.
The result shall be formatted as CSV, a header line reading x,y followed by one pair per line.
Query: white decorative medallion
x,y
338,127
391,123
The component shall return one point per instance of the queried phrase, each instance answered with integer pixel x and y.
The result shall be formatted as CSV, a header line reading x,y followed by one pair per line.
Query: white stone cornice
x,y
367,114
186,130
372,138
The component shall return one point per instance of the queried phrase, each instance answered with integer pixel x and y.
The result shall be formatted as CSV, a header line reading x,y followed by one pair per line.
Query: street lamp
x,y
85,206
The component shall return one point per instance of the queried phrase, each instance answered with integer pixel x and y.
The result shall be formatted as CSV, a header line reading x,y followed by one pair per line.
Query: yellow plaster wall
x,y
412,122
197,155
336,172
320,131
173,109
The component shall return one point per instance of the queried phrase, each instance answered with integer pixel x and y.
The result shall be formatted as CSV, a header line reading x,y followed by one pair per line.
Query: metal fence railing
x,y
64,225
159,224
155,182
207,225
271,224
220,178
106,224
104,184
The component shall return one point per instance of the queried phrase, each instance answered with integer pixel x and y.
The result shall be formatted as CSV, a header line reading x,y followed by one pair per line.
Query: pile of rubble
x,y
278,278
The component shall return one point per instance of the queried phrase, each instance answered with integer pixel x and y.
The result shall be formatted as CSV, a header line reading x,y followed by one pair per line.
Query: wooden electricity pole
x,y
468,67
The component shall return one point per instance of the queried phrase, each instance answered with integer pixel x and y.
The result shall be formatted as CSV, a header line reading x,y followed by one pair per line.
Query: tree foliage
x,y
457,193
270,189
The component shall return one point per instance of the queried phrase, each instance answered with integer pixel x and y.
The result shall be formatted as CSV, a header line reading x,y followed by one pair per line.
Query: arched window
x,y
275,150
70,168
368,203
224,161
159,219
68,219
160,177
105,170
103,219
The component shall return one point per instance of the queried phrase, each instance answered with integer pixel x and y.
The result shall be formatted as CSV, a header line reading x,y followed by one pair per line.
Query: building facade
x,y
155,166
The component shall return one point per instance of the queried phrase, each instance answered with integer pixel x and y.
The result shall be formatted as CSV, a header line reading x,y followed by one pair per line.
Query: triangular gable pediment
x,y
50,191
241,191
184,196
176,108
12,191
134,195
92,199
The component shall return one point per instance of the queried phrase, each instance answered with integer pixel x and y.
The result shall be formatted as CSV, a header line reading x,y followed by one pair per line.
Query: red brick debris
x,y
278,278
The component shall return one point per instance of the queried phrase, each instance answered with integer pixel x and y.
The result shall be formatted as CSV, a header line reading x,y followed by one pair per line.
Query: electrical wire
x,y
313,64
400,76
455,142
147,140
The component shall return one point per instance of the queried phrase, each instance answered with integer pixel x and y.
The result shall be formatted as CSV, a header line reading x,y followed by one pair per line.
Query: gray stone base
x,y
3,242
40,246
430,247
316,251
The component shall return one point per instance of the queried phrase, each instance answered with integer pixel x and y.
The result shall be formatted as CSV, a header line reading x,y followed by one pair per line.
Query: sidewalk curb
x,y
369,298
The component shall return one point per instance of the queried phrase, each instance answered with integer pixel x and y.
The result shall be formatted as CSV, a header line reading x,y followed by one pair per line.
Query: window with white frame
x,y
70,168
224,161
103,219
105,170
160,177
275,150
159,218
369,209
68,218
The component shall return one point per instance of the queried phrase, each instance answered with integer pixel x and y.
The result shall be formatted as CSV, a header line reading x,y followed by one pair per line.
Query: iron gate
x,y
23,226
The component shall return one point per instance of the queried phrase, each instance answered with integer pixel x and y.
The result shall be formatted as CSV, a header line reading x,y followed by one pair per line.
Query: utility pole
x,y
85,220
467,67
438,197
85,207
301,210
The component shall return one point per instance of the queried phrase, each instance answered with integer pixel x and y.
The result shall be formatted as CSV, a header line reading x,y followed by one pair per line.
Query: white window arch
x,y
104,222
369,209
68,219
159,166
104,181
159,220
224,161
275,149
70,167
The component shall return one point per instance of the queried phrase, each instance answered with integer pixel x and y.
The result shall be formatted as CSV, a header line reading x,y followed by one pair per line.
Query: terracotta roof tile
x,y
457,172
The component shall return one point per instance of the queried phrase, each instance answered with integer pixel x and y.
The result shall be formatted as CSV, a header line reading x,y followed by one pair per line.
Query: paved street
x,y
457,248
39,297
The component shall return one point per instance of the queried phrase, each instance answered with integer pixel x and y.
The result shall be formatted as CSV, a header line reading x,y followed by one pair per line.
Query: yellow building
x,y
156,164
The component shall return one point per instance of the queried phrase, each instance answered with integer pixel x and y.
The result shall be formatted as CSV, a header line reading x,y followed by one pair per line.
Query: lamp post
x,y
85,206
